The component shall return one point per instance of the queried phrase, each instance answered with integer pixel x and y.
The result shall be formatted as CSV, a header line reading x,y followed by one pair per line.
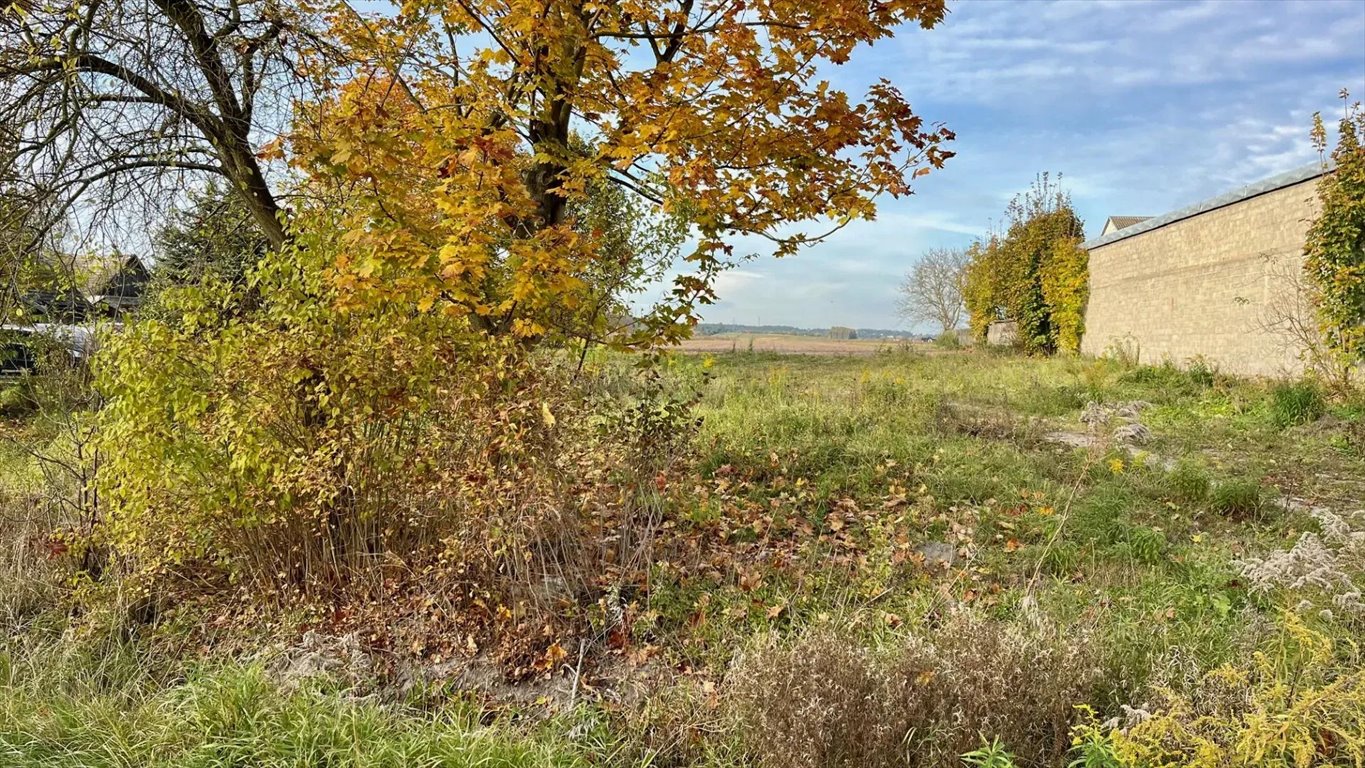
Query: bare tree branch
x,y
118,100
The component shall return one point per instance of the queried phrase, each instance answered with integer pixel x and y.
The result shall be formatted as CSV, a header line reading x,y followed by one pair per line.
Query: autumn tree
x,y
1035,273
1335,249
932,291
453,144
484,185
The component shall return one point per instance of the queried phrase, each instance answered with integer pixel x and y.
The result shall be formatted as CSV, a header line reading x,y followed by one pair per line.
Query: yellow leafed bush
x,y
1299,703
294,446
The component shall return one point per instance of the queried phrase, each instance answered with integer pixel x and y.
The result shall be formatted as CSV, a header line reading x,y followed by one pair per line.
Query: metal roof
x,y
1261,187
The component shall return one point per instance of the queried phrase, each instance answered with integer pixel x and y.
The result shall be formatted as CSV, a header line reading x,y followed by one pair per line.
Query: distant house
x,y
1115,223
120,287
54,306
1200,281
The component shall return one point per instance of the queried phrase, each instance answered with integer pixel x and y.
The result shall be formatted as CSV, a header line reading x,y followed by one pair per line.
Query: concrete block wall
x,y
1200,287
1002,333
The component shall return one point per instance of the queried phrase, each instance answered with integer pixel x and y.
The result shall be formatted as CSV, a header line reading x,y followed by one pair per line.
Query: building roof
x,y
1261,187
64,305
1121,222
127,279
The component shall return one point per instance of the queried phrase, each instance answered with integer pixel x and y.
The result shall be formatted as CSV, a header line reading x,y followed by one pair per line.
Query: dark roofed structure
x,y
123,288
55,306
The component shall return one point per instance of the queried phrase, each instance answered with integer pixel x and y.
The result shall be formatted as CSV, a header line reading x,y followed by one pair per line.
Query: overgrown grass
x,y
839,519
1239,498
1296,402
116,715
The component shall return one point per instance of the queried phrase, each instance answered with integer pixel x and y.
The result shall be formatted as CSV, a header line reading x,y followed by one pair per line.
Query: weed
x,y
948,340
1061,559
817,705
1091,746
1127,352
1296,402
826,702
992,754
1188,483
1202,372
1326,565
1239,499
1295,704
1169,379
1146,545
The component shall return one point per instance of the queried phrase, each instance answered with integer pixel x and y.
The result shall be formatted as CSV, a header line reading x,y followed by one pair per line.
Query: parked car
x,y
22,346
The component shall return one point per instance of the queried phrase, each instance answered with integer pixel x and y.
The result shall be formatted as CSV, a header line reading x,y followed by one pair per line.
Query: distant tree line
x,y
712,329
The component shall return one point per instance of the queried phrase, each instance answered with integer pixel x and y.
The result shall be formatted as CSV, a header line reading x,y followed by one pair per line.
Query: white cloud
x,y
1144,106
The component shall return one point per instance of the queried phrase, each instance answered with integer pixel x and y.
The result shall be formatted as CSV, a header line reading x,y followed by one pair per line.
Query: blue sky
x,y
1144,106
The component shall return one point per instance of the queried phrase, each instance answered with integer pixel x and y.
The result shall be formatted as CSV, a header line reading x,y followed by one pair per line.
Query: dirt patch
x,y
344,660
1074,439
984,422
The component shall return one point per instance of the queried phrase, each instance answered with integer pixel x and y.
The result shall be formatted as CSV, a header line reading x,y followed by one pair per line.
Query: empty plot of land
x,y
790,344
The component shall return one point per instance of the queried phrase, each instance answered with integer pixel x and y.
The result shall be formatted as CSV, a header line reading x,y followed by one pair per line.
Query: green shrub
x,y
1202,372
1146,545
1170,380
1034,274
1333,258
304,448
15,398
1100,517
948,340
1239,498
1188,483
1061,559
1353,416
1296,402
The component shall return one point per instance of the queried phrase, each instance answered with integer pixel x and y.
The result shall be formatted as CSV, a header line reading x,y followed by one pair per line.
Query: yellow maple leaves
x,y
470,135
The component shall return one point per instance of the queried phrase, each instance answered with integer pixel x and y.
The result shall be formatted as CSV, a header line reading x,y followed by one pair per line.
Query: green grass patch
x,y
237,716
1239,498
1296,402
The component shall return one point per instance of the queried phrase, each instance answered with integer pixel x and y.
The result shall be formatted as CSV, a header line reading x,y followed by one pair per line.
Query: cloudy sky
x,y
1143,105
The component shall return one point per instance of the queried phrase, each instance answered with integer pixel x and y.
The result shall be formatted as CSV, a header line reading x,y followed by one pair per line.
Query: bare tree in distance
x,y
932,290
127,104
1290,318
